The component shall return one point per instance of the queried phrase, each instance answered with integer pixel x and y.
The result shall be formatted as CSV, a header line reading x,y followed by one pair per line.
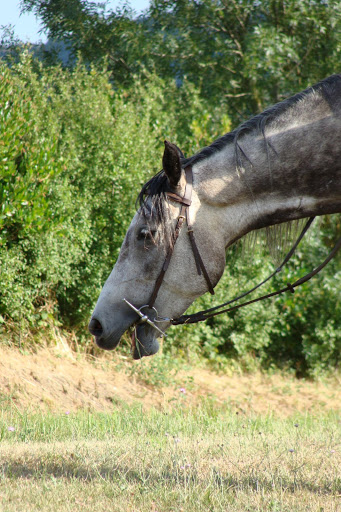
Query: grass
x,y
202,458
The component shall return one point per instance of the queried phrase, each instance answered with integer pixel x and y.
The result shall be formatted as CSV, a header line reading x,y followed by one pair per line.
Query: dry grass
x,y
58,379
199,465
73,440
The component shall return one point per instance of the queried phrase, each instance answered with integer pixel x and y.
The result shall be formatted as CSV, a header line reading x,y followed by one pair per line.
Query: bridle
x,y
185,202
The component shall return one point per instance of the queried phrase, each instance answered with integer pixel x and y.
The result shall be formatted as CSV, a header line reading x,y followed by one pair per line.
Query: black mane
x,y
259,121
153,201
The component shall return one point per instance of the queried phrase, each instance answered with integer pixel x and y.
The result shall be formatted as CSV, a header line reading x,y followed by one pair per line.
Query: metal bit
x,y
144,318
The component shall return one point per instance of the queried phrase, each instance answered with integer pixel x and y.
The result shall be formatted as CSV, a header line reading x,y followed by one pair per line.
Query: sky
x,y
26,27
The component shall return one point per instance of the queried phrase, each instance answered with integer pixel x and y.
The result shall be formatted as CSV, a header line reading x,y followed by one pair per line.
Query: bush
x,y
74,154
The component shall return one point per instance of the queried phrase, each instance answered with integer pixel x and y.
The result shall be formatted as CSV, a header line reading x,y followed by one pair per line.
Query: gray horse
x,y
281,165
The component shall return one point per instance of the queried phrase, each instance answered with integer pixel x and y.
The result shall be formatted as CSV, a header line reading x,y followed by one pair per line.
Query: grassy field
x,y
98,434
205,458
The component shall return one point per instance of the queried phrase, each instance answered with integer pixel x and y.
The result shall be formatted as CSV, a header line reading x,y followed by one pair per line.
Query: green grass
x,y
191,459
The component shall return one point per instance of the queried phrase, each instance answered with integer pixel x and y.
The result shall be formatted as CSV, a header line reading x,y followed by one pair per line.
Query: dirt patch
x,y
60,380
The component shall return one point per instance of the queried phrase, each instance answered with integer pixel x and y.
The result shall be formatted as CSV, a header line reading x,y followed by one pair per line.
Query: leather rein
x,y
185,202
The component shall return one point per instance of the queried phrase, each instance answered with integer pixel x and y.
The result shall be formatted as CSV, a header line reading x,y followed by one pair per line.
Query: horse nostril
x,y
95,327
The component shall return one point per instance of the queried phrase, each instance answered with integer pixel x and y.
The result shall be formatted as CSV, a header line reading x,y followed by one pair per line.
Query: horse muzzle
x,y
143,338
104,340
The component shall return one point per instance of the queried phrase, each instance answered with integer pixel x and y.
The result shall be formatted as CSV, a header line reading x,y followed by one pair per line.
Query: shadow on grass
x,y
124,474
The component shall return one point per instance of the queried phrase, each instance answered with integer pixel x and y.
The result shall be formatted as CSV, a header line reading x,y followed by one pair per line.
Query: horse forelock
x,y
153,205
157,186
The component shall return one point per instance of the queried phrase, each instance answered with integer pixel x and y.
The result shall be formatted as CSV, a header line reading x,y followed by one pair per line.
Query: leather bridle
x,y
185,202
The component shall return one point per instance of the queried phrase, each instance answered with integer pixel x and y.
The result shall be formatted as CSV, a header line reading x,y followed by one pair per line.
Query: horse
x,y
281,165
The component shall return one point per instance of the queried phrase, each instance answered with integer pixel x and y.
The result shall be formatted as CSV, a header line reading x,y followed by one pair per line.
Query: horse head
x,y
143,255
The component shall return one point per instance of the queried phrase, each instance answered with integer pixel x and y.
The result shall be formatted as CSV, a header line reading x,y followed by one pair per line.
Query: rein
x,y
203,315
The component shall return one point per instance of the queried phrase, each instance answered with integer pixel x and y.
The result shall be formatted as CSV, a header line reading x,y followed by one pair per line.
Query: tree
x,y
90,31
241,54
249,54
77,150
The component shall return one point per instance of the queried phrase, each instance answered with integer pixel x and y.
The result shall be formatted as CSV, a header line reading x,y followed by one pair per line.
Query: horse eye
x,y
146,234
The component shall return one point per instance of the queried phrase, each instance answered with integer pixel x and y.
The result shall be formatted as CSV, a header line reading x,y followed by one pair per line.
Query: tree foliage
x,y
242,54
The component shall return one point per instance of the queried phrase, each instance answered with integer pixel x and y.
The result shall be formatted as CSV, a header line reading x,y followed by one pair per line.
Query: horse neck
x,y
291,173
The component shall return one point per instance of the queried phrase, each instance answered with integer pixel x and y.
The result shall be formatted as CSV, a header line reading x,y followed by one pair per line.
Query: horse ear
x,y
171,163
